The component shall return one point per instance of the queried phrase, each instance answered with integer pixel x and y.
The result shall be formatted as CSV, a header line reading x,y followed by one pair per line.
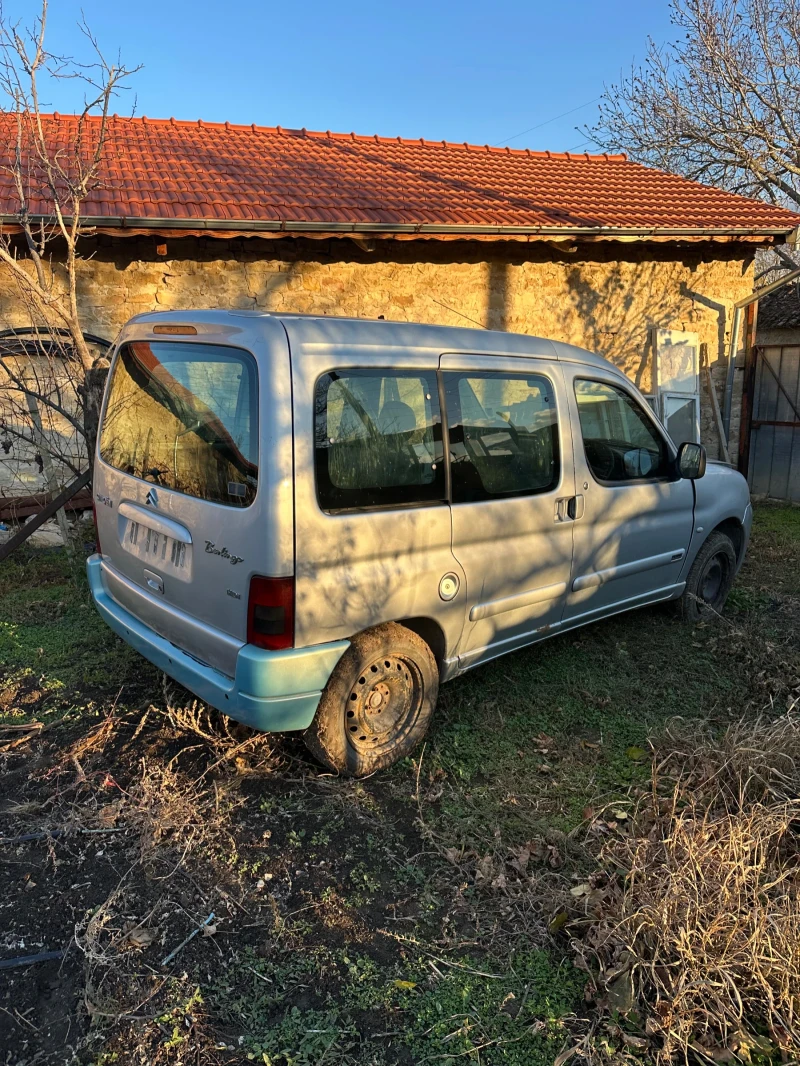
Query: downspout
x,y
738,307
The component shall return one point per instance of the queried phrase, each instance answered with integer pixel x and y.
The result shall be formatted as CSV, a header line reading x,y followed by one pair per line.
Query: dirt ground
x,y
420,915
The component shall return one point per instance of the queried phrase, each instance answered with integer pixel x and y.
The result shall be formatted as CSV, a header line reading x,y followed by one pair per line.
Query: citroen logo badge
x,y
152,498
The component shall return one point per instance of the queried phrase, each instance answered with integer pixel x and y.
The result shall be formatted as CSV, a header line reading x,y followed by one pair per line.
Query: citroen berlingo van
x,y
313,522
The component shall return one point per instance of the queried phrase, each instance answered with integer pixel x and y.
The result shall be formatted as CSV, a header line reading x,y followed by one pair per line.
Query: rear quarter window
x,y
185,416
378,439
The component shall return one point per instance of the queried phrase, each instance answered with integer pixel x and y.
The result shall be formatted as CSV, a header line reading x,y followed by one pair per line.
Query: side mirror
x,y
691,460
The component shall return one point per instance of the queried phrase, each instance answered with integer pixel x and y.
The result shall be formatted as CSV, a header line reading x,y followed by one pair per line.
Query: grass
x,y
55,651
531,739
413,917
777,530
515,1018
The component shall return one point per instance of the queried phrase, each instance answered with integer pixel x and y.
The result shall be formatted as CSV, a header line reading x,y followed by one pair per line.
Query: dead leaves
x,y
557,922
511,863
620,996
141,938
565,1056
593,700
518,859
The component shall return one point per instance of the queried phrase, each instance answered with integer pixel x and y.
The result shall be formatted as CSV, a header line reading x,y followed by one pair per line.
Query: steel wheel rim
x,y
383,704
713,578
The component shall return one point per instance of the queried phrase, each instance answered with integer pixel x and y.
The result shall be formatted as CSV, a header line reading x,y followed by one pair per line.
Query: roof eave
x,y
498,232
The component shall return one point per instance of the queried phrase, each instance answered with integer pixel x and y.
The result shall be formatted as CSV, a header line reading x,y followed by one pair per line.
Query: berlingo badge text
x,y
223,552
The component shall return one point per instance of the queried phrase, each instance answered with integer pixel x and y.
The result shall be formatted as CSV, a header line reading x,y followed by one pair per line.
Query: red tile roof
x,y
166,176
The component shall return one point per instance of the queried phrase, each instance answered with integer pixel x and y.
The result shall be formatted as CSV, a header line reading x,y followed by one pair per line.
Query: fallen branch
x,y
28,732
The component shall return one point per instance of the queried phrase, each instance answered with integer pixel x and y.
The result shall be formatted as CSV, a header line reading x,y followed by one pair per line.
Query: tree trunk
x,y
91,395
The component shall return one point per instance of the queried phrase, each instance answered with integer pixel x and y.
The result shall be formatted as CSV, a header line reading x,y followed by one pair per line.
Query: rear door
x,y
183,486
512,483
635,517
372,520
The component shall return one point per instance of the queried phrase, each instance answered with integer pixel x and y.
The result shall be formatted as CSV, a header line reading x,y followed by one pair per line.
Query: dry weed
x,y
694,924
224,737
175,826
753,761
171,815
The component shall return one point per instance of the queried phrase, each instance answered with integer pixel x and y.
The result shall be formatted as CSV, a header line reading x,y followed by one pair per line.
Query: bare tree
x,y
51,372
721,104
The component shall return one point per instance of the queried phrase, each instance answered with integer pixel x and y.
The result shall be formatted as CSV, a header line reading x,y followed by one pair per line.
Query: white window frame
x,y
665,385
683,397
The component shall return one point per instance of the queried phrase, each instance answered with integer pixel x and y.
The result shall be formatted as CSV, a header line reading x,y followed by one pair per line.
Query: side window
x,y
378,439
620,441
503,435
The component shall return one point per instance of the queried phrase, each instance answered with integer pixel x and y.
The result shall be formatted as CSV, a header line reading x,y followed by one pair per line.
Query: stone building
x,y
590,249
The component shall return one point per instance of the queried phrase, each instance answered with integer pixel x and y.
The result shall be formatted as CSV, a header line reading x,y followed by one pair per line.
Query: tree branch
x,y
720,103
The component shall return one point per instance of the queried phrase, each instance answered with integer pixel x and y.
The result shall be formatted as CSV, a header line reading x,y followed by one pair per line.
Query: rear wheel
x,y
710,579
378,702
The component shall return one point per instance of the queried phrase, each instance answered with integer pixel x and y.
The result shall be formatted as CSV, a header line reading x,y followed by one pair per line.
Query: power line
x,y
577,146
547,121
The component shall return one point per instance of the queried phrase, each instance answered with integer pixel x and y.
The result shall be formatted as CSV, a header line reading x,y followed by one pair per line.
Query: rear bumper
x,y
272,690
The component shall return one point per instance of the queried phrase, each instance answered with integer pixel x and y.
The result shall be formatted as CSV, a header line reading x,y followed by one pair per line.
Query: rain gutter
x,y
282,226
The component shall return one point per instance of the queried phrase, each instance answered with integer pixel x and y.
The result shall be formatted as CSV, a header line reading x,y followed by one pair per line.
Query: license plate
x,y
155,547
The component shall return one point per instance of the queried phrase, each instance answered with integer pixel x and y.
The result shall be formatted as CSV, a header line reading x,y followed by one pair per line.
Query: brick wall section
x,y
605,296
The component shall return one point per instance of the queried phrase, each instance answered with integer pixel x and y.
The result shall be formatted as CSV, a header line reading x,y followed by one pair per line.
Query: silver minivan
x,y
312,522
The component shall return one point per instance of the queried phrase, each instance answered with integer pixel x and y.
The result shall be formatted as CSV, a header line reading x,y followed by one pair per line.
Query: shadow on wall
x,y
605,299
720,310
618,317
610,310
499,297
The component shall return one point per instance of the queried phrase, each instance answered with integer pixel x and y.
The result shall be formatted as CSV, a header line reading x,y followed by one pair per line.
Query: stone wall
x,y
606,297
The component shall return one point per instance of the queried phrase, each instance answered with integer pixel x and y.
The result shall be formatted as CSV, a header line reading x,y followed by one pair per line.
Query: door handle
x,y
570,508
575,507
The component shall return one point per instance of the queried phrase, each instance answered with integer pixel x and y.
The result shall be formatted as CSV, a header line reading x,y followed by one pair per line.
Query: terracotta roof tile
x,y
206,172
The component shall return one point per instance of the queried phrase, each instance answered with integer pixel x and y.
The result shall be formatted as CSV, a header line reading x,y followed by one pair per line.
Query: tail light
x,y
270,613
96,531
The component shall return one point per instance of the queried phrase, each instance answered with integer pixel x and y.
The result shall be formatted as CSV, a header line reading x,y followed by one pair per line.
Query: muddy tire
x,y
710,579
378,703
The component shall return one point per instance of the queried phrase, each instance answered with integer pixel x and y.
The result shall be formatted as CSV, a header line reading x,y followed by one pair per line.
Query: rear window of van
x,y
184,416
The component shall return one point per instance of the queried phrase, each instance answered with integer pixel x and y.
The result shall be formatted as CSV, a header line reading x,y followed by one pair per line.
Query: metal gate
x,y
774,466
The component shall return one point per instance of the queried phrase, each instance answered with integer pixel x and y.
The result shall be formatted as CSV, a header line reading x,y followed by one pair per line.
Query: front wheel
x,y
710,579
377,704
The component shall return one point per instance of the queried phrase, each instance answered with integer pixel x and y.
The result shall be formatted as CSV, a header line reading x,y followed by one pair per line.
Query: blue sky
x,y
461,71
